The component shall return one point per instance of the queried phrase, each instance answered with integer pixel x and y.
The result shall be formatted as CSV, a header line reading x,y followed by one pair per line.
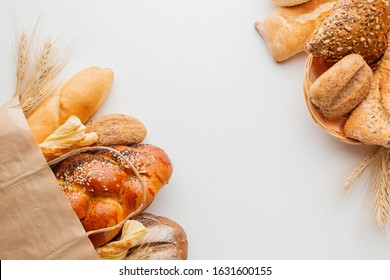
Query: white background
x,y
254,176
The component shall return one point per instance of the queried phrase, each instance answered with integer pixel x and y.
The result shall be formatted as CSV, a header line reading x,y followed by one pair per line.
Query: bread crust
x,y
370,121
165,240
117,129
363,31
81,96
85,93
45,119
286,29
103,190
289,3
341,88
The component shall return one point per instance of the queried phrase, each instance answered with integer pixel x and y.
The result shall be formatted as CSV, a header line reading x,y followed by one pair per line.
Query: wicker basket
x,y
313,69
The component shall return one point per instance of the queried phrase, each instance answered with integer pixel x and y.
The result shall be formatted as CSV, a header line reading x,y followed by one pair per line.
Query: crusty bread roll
x,y
353,26
370,121
81,96
117,129
286,29
103,189
165,240
341,88
288,3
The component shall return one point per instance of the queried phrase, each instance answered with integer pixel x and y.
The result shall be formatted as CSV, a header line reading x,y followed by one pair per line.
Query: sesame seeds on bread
x,y
353,26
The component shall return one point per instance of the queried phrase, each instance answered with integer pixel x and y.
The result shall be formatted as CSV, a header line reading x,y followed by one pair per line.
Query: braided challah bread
x,y
103,189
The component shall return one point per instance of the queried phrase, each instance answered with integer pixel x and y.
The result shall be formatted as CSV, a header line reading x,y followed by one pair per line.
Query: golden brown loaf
x,y
341,88
165,240
103,189
117,129
288,3
286,29
353,26
81,96
370,121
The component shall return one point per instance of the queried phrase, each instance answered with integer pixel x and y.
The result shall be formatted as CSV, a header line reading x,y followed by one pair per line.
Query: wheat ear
x,y
381,188
36,80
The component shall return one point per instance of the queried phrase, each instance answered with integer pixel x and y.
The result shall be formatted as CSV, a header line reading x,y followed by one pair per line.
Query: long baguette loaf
x,y
81,96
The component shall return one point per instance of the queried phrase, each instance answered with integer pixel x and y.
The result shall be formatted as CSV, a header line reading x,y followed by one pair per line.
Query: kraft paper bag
x,y
36,220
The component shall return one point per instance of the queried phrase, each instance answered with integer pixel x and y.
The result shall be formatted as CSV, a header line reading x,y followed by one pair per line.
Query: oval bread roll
x,y
289,3
340,89
81,96
117,129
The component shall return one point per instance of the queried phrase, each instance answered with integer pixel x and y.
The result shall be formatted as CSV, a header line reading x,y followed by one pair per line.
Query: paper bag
x,y
36,220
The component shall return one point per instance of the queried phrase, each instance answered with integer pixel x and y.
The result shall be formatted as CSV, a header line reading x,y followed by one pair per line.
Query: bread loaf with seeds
x,y
353,26
370,121
103,189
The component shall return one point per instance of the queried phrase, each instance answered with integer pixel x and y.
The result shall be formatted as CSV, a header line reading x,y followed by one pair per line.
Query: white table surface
x,y
254,176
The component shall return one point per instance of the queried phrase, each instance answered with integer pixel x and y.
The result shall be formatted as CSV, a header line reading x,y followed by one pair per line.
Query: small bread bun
x,y
288,3
340,89
165,240
117,129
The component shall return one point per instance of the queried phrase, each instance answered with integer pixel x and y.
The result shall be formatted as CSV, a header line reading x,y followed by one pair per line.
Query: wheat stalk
x,y
378,164
22,63
381,188
359,170
35,81
141,252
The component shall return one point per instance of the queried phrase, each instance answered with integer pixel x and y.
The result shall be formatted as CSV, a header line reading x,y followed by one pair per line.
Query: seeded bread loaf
x,y
353,26
103,190
81,96
286,29
341,88
370,121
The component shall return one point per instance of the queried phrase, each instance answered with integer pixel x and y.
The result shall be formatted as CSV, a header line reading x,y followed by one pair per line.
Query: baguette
x,y
81,96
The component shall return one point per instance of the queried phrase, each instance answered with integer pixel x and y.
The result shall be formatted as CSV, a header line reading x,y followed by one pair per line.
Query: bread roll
x,y
341,88
288,3
370,121
165,240
81,96
353,26
117,129
286,29
103,190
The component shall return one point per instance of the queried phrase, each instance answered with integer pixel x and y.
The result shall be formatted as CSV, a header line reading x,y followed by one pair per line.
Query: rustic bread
x,y
117,129
165,240
341,88
370,121
286,29
353,26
